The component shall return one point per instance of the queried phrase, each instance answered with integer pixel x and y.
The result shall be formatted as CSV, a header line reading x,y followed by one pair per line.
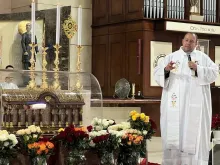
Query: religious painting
x,y
158,50
217,61
203,45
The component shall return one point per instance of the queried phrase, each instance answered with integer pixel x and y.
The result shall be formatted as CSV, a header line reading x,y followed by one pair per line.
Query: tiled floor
x,y
155,150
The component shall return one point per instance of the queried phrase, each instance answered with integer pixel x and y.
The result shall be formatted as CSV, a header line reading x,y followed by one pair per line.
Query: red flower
x,y
69,139
153,125
216,122
89,128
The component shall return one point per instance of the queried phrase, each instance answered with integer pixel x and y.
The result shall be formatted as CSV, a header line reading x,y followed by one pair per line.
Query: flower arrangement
x,y
104,144
216,122
41,148
76,140
29,135
38,152
7,146
142,123
73,137
101,124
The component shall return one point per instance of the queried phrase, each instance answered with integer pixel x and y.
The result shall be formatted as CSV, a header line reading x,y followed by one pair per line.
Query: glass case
x,y
48,99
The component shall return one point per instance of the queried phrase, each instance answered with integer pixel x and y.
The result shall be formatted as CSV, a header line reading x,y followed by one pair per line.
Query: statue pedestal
x,y
196,17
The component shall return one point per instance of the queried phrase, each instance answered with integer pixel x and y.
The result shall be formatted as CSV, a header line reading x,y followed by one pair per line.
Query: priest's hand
x,y
192,65
170,66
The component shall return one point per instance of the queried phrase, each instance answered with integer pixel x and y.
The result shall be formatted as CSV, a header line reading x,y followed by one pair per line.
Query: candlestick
x,y
58,25
33,21
133,91
80,25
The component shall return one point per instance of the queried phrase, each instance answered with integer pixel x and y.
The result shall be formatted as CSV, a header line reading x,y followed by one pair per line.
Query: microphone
x,y
189,57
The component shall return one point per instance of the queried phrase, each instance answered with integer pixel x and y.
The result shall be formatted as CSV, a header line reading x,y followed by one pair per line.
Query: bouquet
x,y
29,135
104,144
142,123
76,140
101,124
7,146
147,127
39,151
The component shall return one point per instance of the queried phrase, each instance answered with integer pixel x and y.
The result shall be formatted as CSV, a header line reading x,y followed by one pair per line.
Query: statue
x,y
25,41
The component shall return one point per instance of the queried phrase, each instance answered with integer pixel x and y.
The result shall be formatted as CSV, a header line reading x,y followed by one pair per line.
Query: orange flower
x,y
129,143
35,145
42,147
30,146
39,152
50,145
80,129
46,151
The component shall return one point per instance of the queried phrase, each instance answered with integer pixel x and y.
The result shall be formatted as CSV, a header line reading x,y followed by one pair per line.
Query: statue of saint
x,y
25,41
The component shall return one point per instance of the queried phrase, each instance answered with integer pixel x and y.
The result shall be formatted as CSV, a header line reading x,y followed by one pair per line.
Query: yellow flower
x,y
142,116
133,113
134,117
129,143
60,130
137,115
147,118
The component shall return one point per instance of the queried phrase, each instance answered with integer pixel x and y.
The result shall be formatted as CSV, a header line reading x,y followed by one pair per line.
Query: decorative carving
x,y
70,27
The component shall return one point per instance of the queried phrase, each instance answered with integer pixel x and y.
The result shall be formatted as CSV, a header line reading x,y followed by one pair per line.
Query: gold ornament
x,y
70,27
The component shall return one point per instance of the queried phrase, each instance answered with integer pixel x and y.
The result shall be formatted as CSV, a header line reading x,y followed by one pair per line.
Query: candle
x,y
33,21
79,25
58,25
133,88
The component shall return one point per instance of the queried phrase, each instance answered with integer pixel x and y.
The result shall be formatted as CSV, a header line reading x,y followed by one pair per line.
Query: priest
x,y
186,107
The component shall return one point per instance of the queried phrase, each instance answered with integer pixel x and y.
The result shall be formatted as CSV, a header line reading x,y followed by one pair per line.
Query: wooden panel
x,y
134,9
156,36
132,67
116,60
99,61
100,12
116,10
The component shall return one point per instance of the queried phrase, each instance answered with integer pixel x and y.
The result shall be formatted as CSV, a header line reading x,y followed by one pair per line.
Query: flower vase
x,y
128,156
76,157
4,161
106,158
216,134
39,160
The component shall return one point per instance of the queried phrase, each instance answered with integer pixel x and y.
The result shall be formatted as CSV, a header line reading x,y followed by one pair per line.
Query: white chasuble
x,y
186,111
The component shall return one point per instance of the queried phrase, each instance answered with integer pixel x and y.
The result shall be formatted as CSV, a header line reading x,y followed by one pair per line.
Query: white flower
x,y
35,135
28,131
38,130
111,122
3,137
13,138
33,130
20,132
144,132
92,144
98,128
3,132
6,144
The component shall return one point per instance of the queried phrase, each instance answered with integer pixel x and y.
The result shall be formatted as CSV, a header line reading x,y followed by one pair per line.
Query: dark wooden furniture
x,y
121,36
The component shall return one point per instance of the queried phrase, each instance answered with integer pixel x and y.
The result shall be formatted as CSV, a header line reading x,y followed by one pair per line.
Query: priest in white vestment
x,y
186,107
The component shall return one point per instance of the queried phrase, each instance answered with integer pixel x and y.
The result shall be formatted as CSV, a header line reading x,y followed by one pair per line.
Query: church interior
x,y
78,62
